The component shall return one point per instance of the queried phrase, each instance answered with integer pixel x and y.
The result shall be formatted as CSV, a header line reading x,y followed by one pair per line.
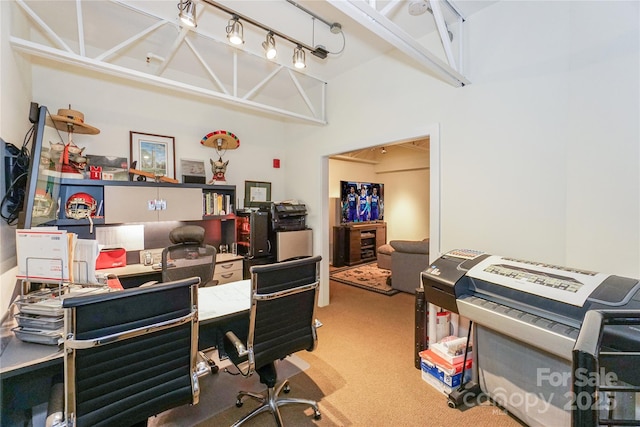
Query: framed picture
x,y
256,192
153,153
192,167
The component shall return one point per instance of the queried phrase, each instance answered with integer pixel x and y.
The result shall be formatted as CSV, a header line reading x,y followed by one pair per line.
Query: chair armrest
x,y
203,365
237,343
410,246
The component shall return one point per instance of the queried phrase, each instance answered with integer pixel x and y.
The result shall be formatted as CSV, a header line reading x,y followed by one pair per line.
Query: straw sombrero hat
x,y
72,121
221,140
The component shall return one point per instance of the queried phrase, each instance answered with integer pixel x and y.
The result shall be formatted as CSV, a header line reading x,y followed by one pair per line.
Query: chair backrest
x,y
284,296
189,256
130,354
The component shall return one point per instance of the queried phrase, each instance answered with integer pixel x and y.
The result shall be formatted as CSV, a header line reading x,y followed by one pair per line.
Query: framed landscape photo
x,y
153,153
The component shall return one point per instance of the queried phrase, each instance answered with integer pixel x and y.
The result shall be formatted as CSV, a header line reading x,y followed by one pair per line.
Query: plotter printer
x,y
527,317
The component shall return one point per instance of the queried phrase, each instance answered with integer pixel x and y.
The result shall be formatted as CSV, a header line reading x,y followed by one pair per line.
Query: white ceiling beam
x,y
44,26
443,31
263,82
390,7
129,41
80,26
371,19
211,73
173,50
302,93
58,55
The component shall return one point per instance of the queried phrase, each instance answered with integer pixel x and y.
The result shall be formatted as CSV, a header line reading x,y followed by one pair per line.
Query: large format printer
x,y
527,317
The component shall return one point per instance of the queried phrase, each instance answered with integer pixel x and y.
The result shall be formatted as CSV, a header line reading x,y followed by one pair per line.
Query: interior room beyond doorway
x,y
404,169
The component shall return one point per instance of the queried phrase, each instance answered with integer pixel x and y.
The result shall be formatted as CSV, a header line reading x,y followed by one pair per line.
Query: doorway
x,y
431,191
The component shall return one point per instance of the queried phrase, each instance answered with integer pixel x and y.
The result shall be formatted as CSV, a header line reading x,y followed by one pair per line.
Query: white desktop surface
x,y
223,300
214,301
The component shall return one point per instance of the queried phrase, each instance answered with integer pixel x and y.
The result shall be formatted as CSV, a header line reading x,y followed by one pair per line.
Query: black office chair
x,y
189,256
282,321
129,355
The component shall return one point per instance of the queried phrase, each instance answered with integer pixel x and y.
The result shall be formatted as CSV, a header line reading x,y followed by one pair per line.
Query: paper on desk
x,y
222,300
84,261
42,255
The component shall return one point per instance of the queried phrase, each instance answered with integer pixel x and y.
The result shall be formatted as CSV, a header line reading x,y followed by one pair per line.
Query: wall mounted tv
x,y
361,201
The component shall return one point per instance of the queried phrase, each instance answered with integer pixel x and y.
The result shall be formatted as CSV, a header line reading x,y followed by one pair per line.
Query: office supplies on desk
x,y
43,255
111,258
40,313
84,261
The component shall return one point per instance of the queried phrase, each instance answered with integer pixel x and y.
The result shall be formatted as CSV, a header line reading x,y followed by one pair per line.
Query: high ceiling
x,y
143,40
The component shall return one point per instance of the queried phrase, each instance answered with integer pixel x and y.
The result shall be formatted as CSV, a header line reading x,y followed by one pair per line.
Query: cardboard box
x,y
442,376
433,358
436,383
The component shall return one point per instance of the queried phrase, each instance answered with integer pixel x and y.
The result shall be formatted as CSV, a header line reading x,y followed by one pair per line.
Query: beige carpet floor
x,y
363,374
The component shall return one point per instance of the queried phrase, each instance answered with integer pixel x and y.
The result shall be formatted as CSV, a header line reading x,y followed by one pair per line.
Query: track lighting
x,y
299,58
235,35
235,31
187,13
269,46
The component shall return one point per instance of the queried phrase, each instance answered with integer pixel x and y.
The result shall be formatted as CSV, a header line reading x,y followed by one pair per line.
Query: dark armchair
x,y
189,256
128,355
282,321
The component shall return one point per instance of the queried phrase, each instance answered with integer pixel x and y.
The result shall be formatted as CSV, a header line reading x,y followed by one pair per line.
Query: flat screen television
x,y
361,201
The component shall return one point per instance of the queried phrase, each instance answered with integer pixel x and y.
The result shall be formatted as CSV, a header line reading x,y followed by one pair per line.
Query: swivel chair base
x,y
271,402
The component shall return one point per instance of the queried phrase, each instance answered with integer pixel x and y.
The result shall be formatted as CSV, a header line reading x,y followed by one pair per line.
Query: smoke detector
x,y
418,7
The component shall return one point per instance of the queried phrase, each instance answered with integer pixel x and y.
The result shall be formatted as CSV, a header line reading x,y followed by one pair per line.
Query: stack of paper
x,y
44,255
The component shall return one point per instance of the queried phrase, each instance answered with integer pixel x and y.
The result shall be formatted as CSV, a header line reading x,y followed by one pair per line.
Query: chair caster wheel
x,y
286,389
215,369
317,415
239,403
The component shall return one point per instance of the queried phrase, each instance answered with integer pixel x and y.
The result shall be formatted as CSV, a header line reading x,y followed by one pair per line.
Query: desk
x,y
136,274
26,368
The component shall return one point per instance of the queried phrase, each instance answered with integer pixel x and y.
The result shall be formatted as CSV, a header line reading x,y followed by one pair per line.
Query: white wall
x,y
15,97
117,106
539,155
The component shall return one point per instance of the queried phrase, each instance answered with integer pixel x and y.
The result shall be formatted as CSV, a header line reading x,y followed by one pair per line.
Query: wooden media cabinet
x,y
357,243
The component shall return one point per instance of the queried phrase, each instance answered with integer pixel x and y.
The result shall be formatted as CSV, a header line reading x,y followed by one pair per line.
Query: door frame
x,y
432,131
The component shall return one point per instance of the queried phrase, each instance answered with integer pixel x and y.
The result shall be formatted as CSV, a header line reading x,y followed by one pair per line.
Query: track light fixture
x,y
299,58
235,31
187,13
269,46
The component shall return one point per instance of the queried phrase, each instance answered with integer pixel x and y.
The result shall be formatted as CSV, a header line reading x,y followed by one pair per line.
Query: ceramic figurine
x,y
218,168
